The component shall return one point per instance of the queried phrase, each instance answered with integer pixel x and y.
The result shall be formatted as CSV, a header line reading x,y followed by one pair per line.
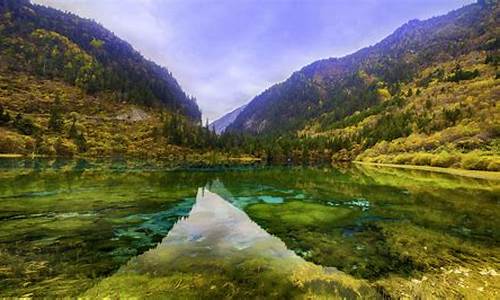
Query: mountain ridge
x,y
117,66
306,93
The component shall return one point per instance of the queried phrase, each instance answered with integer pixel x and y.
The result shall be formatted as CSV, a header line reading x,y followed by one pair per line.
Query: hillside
x,y
432,84
69,86
51,44
342,86
220,125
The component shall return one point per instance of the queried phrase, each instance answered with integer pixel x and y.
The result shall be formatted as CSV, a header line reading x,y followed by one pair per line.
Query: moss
x,y
300,214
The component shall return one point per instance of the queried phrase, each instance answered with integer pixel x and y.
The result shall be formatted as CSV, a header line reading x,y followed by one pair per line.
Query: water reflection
x,y
218,251
66,225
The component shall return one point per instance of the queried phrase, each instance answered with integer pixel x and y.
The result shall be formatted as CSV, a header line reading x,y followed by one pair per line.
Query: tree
x,y
4,116
24,125
81,142
459,74
56,122
73,132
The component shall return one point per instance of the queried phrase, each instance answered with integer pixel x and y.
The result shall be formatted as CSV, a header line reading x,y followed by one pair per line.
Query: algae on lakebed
x,y
217,252
67,225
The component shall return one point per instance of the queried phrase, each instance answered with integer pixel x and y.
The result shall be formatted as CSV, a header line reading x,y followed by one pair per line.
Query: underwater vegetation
x,y
91,228
217,252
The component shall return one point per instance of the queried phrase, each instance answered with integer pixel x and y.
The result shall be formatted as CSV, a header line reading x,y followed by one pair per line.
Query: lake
x,y
139,229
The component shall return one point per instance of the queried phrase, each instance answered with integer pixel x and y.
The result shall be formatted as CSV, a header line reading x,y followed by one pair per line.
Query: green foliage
x,y
492,59
57,45
81,143
56,121
444,160
459,74
96,43
4,116
451,115
64,148
437,74
389,127
475,162
24,125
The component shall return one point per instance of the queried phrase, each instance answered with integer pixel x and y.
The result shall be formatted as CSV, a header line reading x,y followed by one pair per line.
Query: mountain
x,y
425,95
334,88
68,86
50,44
220,125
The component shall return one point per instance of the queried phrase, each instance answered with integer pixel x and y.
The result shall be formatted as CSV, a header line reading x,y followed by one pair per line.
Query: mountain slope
x,y
341,86
51,44
69,87
220,125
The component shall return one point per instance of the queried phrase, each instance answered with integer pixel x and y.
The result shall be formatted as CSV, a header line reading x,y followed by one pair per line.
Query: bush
x,y
24,125
474,162
422,159
46,149
64,148
444,160
403,159
494,165
459,74
11,143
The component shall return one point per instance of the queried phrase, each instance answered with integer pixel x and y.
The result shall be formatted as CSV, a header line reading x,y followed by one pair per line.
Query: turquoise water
x,y
67,225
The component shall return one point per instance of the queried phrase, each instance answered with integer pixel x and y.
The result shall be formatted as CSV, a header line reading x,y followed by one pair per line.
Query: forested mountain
x,y
334,88
68,87
425,95
50,44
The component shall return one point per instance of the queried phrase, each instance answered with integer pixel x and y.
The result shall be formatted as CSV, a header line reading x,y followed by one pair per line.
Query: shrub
x,y
422,159
444,159
459,74
403,159
494,165
46,148
64,148
11,143
474,162
24,125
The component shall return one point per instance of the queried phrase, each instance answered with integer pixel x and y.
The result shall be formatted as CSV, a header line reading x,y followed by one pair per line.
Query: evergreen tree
x,y
56,122
4,116
81,142
73,132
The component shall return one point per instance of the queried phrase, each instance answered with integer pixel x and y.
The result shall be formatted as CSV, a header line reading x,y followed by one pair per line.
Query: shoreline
x,y
488,175
11,155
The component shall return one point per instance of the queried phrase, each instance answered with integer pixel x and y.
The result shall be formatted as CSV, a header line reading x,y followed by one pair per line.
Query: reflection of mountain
x,y
219,252
215,227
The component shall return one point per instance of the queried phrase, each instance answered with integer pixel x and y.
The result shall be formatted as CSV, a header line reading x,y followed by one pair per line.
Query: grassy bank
x,y
489,175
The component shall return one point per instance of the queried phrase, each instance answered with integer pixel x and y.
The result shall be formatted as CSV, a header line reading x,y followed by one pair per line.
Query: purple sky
x,y
225,52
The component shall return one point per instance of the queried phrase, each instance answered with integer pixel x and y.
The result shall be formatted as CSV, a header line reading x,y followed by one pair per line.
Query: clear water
x,y
68,227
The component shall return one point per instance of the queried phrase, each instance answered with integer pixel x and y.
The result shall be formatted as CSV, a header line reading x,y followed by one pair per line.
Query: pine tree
x,y
56,122
4,116
81,143
73,132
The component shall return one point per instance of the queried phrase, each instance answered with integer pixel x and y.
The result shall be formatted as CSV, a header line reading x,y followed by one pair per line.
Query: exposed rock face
x,y
133,115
